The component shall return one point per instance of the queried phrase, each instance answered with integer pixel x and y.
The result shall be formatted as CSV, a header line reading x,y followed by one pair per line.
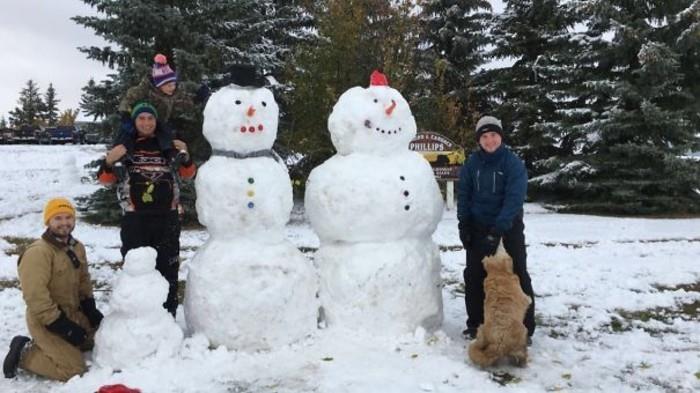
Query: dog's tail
x,y
483,355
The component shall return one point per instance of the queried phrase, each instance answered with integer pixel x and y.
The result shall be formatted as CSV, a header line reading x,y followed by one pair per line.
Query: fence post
x,y
450,195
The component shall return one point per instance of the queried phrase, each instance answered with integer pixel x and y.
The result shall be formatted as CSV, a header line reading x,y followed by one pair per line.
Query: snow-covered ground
x,y
617,307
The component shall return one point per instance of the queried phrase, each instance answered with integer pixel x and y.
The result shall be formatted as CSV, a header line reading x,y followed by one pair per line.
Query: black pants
x,y
474,273
162,232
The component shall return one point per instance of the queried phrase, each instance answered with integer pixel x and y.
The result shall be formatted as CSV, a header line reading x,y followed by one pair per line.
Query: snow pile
x,y
138,327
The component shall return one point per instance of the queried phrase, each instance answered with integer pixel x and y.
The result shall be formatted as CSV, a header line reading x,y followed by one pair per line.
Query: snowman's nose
x,y
251,111
390,108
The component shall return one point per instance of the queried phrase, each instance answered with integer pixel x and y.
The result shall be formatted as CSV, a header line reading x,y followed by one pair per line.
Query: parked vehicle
x,y
7,136
43,137
62,135
94,137
27,135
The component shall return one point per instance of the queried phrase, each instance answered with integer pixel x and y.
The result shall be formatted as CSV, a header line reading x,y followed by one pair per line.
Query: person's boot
x,y
469,333
9,366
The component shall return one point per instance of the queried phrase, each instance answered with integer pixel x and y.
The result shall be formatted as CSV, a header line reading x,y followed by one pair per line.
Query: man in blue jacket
x,y
492,187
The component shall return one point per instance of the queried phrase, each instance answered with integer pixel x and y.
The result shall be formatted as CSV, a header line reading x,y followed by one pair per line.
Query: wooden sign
x,y
444,156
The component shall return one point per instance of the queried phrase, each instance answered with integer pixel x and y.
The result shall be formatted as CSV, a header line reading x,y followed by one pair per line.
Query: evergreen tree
x,y
99,100
50,114
200,39
640,122
3,122
354,38
30,109
684,34
451,50
529,95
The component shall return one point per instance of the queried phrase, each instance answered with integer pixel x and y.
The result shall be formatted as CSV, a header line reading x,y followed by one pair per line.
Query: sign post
x,y
444,156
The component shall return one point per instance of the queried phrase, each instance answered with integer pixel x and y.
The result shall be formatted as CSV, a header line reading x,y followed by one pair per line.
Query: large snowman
x,y
374,206
248,288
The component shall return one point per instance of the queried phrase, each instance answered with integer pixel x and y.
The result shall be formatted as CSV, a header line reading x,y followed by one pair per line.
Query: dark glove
x,y
491,242
126,125
68,330
120,170
87,306
202,94
464,234
181,158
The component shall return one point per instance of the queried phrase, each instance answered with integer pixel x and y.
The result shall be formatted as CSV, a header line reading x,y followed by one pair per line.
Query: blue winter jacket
x,y
492,188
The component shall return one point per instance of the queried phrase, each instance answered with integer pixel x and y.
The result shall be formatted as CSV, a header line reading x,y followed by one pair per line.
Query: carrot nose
x,y
251,111
390,108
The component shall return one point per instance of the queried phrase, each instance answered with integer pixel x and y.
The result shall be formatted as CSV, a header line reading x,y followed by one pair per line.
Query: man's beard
x,y
62,231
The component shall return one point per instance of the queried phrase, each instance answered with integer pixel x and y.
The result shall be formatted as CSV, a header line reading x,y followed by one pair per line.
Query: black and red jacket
x,y
150,185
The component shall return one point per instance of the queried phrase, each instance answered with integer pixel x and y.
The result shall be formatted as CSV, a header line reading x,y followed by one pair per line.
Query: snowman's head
x,y
241,119
373,120
140,261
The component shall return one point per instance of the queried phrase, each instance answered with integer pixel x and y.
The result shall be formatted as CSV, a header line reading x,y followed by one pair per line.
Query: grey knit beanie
x,y
486,124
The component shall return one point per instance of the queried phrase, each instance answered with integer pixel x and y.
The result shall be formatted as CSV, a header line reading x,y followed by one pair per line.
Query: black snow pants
x,y
162,232
474,273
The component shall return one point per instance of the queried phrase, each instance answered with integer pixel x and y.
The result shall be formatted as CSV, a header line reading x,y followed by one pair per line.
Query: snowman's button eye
x,y
238,102
376,100
264,103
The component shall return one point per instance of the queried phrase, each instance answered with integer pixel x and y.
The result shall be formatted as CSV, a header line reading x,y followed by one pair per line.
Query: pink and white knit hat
x,y
162,73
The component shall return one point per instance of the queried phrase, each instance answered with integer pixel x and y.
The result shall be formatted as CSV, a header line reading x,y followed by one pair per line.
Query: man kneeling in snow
x,y
61,313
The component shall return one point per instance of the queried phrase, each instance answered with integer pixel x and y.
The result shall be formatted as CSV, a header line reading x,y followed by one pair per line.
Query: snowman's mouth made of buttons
x,y
251,128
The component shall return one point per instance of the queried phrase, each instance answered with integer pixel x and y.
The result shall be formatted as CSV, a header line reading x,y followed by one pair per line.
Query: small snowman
x,y
137,327
374,206
248,287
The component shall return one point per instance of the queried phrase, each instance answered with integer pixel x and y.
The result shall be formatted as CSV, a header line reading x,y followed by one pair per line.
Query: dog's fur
x,y
502,334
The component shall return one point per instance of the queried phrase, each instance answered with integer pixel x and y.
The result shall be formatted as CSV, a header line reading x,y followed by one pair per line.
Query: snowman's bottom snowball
x,y
123,340
390,287
251,296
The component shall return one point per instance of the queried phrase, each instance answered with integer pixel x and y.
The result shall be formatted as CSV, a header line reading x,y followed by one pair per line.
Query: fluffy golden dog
x,y
502,335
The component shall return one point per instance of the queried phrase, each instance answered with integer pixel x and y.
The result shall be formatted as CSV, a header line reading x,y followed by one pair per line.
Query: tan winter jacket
x,y
50,282
167,106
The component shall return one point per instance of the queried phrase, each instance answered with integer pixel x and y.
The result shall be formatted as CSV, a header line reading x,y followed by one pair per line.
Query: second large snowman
x,y
374,206
248,288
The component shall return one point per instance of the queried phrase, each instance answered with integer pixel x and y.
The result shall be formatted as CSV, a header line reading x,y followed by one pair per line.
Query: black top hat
x,y
244,75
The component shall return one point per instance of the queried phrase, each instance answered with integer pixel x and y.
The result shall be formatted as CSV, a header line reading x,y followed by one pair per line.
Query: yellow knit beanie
x,y
57,206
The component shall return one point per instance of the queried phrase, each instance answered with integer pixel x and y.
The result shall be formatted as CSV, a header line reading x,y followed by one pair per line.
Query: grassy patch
x,y
4,284
504,378
450,248
662,240
181,291
570,245
666,315
690,287
456,287
114,265
19,244
617,325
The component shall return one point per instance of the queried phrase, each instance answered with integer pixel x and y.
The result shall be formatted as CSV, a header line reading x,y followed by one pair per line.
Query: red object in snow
x,y
378,79
119,388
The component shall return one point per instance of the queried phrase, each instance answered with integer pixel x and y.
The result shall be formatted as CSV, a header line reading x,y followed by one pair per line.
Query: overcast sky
x,y
39,41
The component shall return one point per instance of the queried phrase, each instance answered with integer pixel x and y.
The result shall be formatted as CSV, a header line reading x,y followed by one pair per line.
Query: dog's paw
x,y
519,360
